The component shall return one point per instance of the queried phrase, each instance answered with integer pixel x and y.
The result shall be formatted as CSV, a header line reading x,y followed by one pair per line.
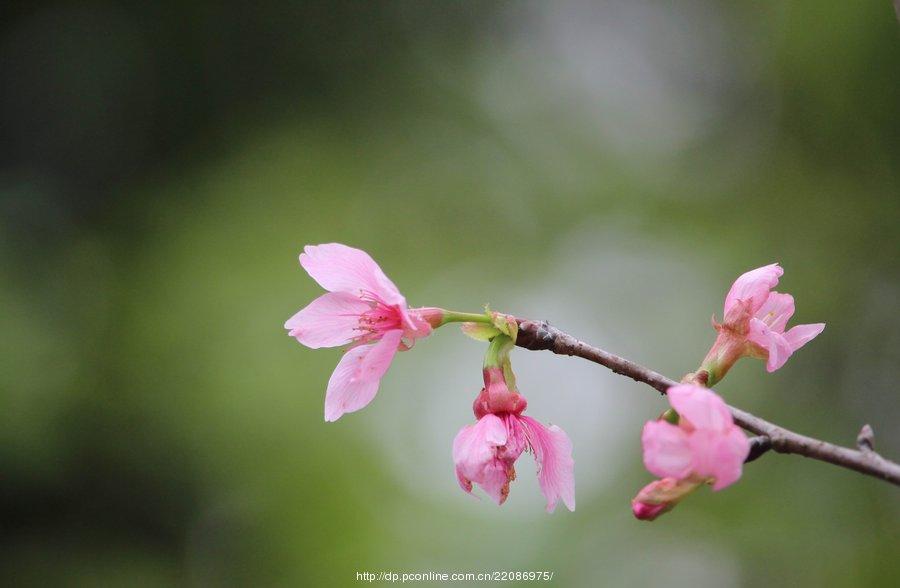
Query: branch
x,y
539,335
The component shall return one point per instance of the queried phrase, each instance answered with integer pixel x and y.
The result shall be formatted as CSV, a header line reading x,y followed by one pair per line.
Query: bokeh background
x,y
609,166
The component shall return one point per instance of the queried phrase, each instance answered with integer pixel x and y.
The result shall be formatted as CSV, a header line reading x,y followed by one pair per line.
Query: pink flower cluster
x,y
705,446
695,443
364,309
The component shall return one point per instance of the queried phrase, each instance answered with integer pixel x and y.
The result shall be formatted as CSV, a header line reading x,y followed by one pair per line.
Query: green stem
x,y
497,354
451,316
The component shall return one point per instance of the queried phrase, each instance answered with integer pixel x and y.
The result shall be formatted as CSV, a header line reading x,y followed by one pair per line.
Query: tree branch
x,y
539,335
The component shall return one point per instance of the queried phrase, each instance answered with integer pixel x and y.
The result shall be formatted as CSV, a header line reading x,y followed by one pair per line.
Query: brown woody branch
x,y
539,335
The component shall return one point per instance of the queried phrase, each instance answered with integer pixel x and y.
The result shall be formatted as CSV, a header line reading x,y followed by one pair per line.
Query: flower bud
x,y
648,512
660,496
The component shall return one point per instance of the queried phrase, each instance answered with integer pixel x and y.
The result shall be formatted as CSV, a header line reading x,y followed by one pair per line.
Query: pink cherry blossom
x,y
705,445
362,308
485,453
755,318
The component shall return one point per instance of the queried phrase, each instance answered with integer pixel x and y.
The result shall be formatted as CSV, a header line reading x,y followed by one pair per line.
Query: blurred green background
x,y
608,166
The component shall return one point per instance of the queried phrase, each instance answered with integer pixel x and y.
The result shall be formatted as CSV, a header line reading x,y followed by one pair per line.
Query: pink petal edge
x,y
731,452
330,320
556,469
701,406
753,286
666,450
475,457
355,380
778,351
339,268
800,335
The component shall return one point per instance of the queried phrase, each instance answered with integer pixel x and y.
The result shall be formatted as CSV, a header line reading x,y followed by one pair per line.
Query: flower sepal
x,y
479,331
506,324
498,396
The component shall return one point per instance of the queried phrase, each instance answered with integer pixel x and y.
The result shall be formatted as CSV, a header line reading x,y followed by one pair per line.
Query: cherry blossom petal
x,y
753,286
328,321
719,456
475,445
494,481
800,335
475,456
553,455
355,380
339,268
776,347
728,460
701,407
464,482
667,452
776,311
